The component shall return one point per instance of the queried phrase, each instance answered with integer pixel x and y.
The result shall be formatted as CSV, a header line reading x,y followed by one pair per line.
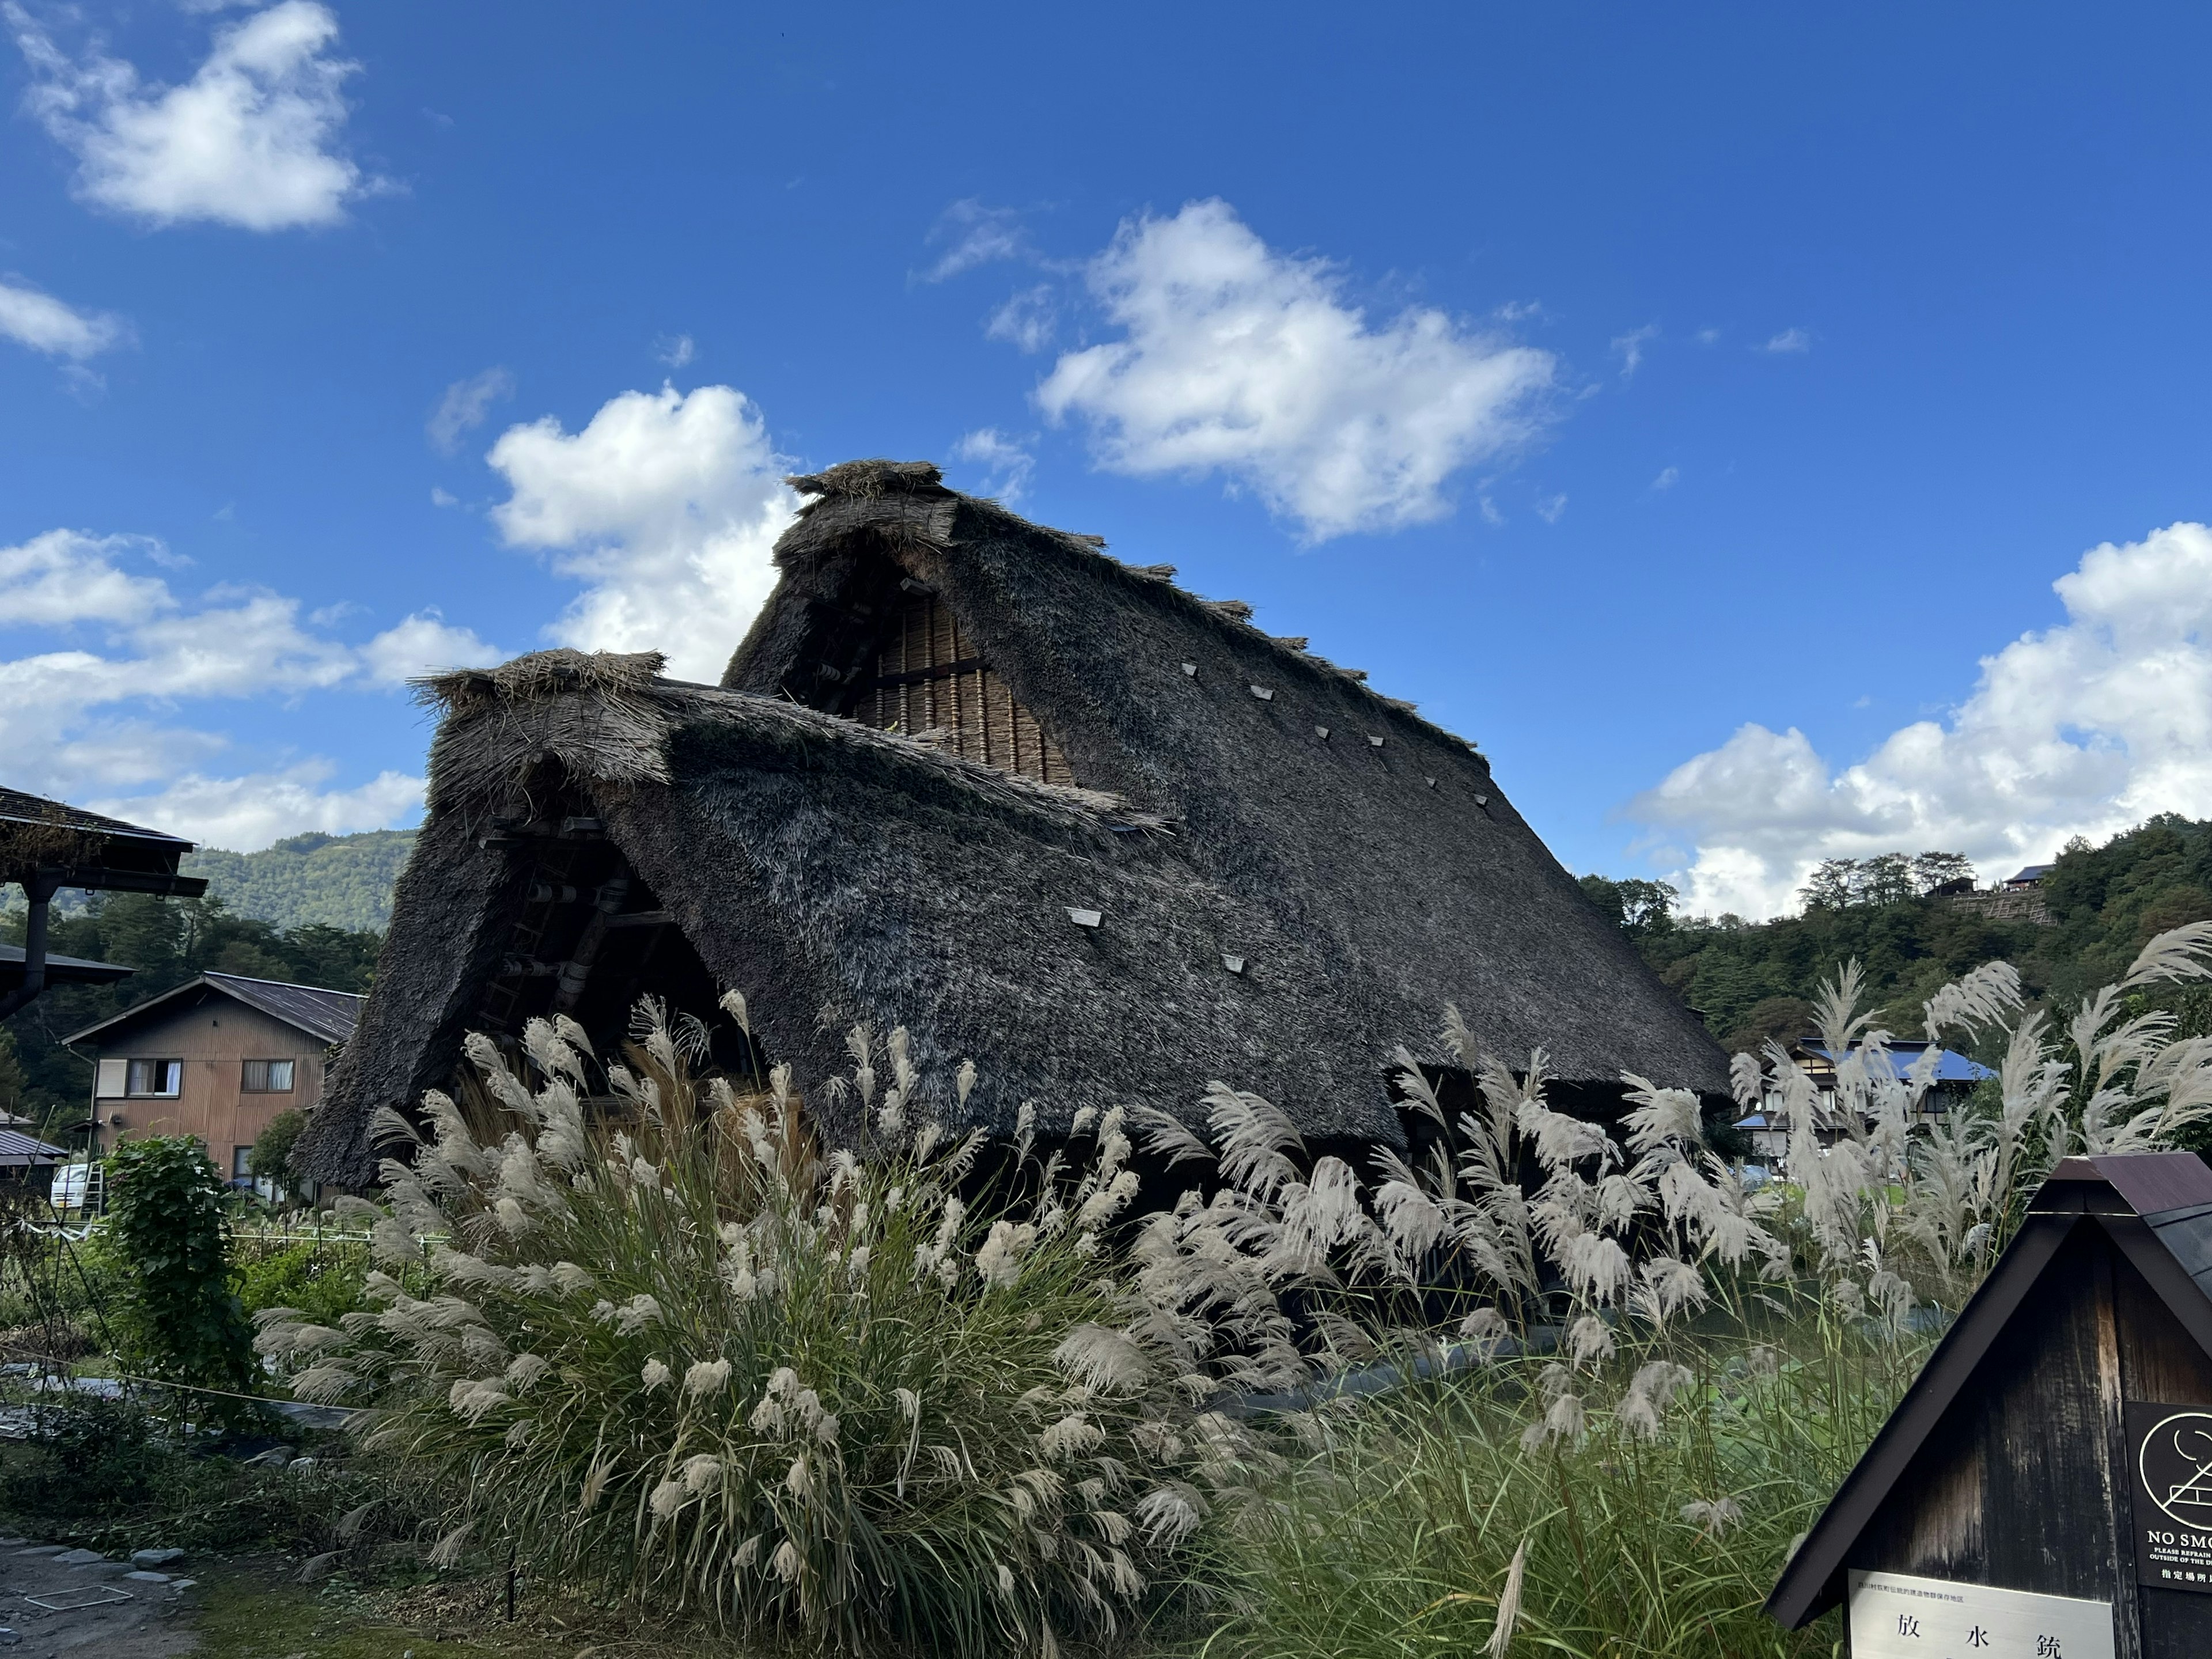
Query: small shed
x,y
26,1163
2045,1485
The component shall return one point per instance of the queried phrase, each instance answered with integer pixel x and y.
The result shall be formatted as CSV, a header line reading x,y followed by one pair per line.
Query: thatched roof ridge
x,y
907,501
595,716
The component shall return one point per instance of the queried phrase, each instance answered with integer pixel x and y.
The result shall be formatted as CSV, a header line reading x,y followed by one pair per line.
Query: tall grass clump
x,y
1667,1375
686,1349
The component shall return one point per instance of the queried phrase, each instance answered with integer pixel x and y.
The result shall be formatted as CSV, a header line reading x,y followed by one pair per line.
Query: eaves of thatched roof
x,y
1290,874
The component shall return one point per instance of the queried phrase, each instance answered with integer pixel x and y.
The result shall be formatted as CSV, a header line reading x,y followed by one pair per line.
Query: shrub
x,y
102,1473
886,1396
271,1156
811,1392
165,1224
89,1454
323,1279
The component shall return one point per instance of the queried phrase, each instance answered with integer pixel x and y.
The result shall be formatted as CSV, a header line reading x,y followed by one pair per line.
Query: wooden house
x,y
216,1058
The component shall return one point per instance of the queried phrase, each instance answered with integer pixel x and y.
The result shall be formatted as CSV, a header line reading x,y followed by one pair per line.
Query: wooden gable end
x,y
2007,1463
931,682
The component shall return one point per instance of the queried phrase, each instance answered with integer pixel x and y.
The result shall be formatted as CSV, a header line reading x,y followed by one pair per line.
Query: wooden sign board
x,y
2045,1485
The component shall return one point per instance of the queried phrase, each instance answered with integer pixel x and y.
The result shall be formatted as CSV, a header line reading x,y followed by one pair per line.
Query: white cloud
x,y
1789,340
2085,729
973,234
1668,478
1709,336
1549,507
1027,320
248,812
674,350
1631,347
464,406
246,141
423,644
668,506
45,323
91,705
1006,462
1241,361
440,497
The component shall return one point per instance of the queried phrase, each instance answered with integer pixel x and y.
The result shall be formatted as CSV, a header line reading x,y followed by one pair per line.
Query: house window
x,y
267,1077
930,683
156,1077
240,1168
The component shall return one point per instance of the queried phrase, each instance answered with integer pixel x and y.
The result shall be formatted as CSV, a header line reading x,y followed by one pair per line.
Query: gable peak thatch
x,y
867,480
537,676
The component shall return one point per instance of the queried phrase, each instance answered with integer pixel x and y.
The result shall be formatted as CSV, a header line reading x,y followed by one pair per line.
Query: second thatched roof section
x,y
1270,875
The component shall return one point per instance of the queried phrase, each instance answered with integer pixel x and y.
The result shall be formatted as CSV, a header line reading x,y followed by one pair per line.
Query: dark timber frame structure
x,y
2006,1462
45,846
1048,811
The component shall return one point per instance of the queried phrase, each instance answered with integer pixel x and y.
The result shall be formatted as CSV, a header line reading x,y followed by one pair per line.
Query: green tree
x,y
271,1156
1831,885
166,1222
2103,903
1885,878
1635,906
13,1083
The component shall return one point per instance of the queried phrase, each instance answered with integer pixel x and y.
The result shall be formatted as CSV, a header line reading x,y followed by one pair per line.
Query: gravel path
x,y
104,1607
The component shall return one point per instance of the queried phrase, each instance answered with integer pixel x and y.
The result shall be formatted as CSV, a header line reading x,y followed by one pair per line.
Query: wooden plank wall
x,y
2025,1484
214,1039
931,678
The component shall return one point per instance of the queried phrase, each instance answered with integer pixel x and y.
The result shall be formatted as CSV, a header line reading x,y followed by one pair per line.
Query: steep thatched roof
x,y
1290,874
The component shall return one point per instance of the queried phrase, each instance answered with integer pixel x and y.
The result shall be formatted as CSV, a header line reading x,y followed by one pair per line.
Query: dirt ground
x,y
257,1609
96,1607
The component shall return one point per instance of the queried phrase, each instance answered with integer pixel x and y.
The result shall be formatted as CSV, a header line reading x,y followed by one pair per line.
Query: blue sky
x,y
1774,433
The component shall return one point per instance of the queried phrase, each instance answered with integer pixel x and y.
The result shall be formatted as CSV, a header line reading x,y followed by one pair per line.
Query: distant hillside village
x,y
1914,923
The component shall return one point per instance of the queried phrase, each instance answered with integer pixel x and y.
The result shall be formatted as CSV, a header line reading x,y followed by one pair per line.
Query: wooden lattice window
x,y
931,682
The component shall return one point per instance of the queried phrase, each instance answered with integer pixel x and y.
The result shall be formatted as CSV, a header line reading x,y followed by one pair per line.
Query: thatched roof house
x,y
1046,809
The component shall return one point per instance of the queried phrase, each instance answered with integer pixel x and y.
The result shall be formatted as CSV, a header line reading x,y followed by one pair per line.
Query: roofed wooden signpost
x,y
2044,1488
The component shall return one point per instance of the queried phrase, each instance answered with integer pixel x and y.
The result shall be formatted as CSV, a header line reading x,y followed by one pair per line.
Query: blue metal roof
x,y
1952,1067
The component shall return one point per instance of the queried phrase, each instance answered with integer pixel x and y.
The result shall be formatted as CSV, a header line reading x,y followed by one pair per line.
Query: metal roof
x,y
329,1016
16,1147
1952,1067
61,970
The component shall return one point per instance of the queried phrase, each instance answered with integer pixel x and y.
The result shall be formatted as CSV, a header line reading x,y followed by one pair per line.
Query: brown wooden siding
x,y
215,1040
932,683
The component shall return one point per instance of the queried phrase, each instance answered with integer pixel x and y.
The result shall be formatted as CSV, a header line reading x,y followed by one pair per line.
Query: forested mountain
x,y
168,941
1754,980
337,881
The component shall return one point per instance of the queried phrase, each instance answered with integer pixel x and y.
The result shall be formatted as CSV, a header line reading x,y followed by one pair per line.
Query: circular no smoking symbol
x,y
2175,1463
